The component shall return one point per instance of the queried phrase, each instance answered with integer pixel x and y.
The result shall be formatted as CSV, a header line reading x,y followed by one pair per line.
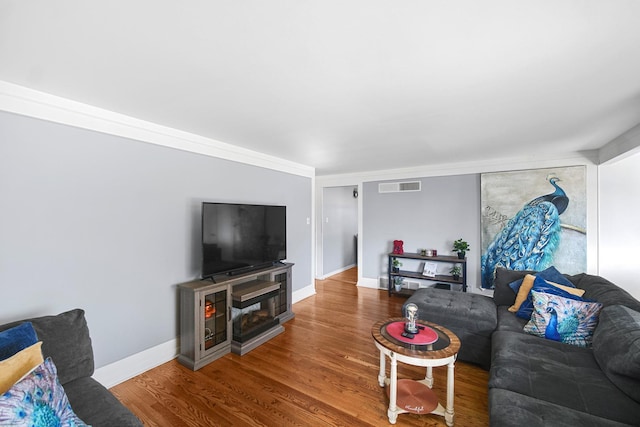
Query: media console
x,y
232,313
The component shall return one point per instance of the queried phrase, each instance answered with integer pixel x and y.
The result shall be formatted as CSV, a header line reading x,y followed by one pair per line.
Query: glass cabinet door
x,y
214,308
281,298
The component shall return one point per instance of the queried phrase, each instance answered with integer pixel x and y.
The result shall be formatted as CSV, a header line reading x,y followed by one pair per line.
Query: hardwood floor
x,y
322,371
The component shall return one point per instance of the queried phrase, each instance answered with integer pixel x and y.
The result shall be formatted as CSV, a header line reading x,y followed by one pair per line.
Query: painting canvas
x,y
533,219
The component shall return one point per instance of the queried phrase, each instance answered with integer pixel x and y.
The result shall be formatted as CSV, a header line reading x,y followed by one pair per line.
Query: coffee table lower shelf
x,y
416,397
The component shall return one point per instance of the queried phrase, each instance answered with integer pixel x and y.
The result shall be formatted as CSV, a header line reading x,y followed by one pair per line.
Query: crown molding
x,y
621,147
496,165
28,102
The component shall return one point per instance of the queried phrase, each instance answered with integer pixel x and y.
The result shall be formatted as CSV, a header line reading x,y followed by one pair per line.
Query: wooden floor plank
x,y
321,372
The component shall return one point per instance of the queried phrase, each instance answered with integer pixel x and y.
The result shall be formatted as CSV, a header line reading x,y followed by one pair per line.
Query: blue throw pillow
x,y
515,285
551,274
541,285
16,339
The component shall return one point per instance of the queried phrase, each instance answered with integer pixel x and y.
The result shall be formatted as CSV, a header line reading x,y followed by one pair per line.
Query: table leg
x,y
448,416
393,390
382,375
428,378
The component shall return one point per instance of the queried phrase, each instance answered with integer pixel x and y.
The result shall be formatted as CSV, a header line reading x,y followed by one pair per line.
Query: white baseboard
x,y
124,369
367,282
127,368
303,293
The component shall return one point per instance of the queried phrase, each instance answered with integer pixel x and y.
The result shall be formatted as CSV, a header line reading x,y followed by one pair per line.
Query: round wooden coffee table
x,y
432,346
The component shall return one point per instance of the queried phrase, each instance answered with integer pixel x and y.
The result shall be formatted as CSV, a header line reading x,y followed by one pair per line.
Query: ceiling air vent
x,y
399,187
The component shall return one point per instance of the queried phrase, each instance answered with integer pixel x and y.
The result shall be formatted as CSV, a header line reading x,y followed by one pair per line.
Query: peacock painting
x,y
530,238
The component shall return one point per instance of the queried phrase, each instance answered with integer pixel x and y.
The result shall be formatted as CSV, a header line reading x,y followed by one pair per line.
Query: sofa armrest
x,y
97,406
65,338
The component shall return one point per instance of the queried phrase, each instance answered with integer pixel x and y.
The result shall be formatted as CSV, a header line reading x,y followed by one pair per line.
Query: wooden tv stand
x,y
232,313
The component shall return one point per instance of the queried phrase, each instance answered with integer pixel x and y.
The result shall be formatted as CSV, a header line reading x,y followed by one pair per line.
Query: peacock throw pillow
x,y
563,319
38,400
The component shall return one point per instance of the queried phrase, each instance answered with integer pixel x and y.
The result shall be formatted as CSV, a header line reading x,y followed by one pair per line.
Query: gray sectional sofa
x,y
535,381
65,338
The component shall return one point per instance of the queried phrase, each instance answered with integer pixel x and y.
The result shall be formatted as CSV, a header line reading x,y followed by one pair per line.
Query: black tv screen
x,y
239,237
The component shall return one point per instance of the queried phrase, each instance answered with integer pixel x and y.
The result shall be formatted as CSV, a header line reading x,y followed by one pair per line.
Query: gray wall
x,y
339,227
447,208
111,225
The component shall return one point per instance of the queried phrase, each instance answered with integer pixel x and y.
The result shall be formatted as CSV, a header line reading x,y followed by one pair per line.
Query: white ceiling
x,y
344,86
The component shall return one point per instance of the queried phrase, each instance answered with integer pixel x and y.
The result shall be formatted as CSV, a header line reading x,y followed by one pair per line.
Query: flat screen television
x,y
242,237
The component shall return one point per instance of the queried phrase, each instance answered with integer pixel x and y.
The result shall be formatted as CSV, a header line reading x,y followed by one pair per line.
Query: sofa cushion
x,y
38,397
509,409
600,289
97,406
16,338
18,365
616,346
508,321
521,288
65,338
563,319
502,293
558,373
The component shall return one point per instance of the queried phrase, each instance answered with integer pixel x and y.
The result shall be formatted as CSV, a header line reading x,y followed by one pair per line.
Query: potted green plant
x,y
455,272
397,283
461,247
396,265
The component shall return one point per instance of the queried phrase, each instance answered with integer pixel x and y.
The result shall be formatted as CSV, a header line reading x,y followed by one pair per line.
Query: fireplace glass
x,y
254,309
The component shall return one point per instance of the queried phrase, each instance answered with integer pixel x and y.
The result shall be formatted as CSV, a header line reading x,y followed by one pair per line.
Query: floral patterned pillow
x,y
563,319
38,400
